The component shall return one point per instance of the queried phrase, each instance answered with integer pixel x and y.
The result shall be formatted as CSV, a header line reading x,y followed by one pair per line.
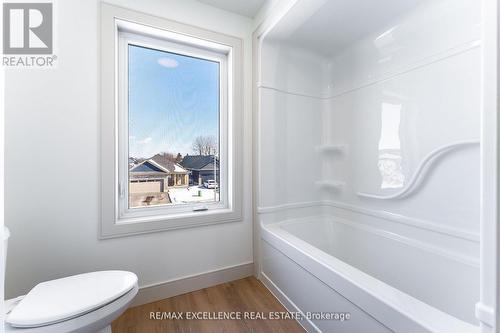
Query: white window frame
x,y
119,28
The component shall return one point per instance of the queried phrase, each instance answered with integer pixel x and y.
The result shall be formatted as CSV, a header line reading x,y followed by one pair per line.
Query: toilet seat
x,y
60,300
98,320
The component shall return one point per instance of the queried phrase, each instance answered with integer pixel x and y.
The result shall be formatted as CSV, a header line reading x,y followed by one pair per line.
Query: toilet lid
x,y
62,299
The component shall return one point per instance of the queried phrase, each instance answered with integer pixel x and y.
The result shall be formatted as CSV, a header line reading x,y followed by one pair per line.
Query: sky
x,y
172,100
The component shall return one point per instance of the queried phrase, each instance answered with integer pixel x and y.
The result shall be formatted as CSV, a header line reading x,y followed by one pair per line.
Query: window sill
x,y
143,225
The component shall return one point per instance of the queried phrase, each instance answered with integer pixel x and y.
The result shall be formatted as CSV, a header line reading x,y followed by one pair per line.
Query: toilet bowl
x,y
84,303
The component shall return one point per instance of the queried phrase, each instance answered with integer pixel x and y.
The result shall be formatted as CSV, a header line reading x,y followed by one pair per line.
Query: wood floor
x,y
246,295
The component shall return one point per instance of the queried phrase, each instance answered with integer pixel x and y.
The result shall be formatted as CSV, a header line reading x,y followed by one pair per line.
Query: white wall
x,y
290,124
265,11
52,145
269,9
2,179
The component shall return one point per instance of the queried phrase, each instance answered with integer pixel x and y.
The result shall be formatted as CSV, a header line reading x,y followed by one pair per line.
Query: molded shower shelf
x,y
337,148
331,184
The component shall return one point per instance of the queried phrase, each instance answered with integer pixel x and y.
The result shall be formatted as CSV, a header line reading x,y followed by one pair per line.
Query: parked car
x,y
210,184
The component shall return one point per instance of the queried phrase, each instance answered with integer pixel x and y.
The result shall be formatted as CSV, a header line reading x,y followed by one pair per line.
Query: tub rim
x,y
420,313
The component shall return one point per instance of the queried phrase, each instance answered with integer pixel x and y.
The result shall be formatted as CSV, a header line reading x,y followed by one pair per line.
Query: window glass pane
x,y
173,108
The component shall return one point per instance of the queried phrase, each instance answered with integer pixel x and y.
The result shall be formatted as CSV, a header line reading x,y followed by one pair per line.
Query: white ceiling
x,y
246,8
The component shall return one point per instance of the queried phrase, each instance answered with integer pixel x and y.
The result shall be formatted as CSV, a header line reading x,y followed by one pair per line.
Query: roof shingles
x,y
151,166
197,162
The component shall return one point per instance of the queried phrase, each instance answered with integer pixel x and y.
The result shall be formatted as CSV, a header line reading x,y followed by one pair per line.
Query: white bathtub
x,y
319,264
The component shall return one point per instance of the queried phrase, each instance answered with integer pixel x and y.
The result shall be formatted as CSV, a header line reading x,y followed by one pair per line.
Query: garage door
x,y
146,187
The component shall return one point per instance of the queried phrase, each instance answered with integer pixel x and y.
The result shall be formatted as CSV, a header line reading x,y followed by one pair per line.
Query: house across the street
x,y
201,168
157,174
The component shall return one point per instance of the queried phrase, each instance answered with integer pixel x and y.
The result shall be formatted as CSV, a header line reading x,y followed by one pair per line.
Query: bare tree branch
x,y
205,145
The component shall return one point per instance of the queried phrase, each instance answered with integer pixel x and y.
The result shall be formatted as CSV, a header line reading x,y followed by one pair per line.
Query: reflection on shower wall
x,y
389,147
391,122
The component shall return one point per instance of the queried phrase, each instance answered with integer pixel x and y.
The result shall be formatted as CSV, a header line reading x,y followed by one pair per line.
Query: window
x,y
172,106
174,159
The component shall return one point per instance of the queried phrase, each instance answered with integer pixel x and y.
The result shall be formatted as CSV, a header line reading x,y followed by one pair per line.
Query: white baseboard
x,y
287,303
162,290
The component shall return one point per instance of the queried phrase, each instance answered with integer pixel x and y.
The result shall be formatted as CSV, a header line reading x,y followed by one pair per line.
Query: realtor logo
x,y
28,35
27,28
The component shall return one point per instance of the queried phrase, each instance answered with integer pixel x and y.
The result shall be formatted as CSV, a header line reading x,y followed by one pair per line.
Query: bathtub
x,y
324,264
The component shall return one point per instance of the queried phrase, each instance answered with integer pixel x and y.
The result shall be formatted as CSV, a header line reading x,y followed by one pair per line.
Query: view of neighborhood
x,y
173,128
166,178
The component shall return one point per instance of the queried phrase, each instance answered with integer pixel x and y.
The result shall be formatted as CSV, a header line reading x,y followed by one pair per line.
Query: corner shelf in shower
x,y
422,170
334,148
330,184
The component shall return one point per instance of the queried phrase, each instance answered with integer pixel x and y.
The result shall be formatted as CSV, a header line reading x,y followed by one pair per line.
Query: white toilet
x,y
84,303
